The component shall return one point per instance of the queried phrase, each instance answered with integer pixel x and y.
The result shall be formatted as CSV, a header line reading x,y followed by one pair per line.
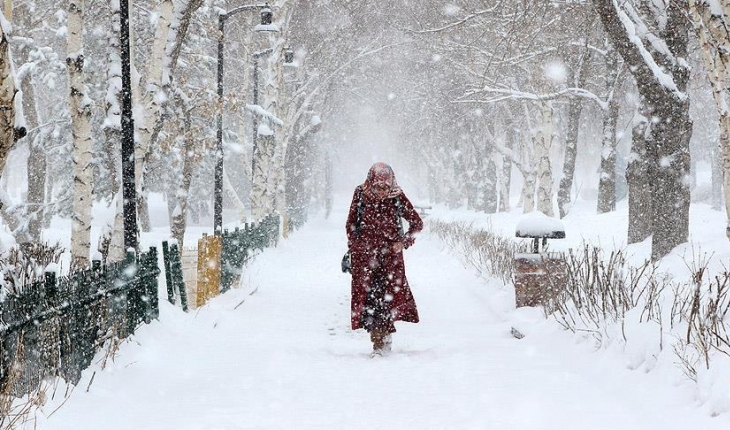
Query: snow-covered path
x,y
278,353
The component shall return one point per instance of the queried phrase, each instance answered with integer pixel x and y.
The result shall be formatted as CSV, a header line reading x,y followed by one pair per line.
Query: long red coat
x,y
372,250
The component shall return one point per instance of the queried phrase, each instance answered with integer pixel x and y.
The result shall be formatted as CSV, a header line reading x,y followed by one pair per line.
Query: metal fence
x,y
240,244
55,327
231,252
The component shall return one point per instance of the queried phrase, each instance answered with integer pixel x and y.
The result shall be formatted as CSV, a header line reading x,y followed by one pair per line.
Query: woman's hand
x,y
397,247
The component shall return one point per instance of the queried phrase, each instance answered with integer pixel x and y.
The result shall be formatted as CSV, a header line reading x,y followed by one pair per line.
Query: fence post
x,y
177,275
227,243
168,275
148,276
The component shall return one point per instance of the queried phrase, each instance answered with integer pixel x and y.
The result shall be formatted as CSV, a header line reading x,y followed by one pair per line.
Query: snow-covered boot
x,y
377,337
387,343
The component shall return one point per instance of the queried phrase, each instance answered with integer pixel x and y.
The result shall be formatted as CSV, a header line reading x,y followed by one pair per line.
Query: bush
x,y
26,264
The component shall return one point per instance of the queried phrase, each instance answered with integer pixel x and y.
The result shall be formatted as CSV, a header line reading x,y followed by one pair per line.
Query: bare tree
x,y
80,118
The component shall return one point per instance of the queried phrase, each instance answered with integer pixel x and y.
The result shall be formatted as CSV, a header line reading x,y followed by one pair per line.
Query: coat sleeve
x,y
350,225
415,224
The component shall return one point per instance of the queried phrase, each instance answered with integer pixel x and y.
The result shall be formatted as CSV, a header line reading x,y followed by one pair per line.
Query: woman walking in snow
x,y
375,237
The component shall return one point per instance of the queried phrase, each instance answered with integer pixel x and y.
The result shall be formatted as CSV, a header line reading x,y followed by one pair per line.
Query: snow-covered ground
x,y
277,353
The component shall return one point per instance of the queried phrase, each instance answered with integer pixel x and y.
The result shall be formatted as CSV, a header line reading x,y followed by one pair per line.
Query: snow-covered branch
x,y
509,94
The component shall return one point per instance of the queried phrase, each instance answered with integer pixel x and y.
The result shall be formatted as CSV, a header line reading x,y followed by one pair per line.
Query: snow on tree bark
x,y
269,155
575,106
661,73
505,177
712,29
152,101
113,133
637,178
543,142
36,172
80,120
7,101
607,172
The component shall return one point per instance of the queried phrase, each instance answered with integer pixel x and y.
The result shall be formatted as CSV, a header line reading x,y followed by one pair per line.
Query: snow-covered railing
x,y
220,261
55,327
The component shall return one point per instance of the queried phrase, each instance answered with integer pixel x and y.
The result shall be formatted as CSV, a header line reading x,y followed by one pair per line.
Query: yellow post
x,y
209,271
9,10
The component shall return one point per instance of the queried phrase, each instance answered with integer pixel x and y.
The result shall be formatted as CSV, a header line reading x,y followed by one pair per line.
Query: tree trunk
x,y
571,153
607,175
490,183
575,107
668,105
327,186
528,193
506,174
716,178
116,246
113,135
543,142
36,163
607,179
152,104
668,149
712,33
80,120
261,203
180,214
637,178
7,98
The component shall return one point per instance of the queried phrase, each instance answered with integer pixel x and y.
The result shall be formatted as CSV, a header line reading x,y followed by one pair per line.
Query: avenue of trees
x,y
623,98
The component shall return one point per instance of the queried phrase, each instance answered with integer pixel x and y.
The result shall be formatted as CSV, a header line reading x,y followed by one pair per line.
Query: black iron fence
x,y
240,244
236,248
55,327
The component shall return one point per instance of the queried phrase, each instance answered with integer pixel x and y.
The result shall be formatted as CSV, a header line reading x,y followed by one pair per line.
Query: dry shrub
x,y
489,254
704,308
601,288
14,412
26,264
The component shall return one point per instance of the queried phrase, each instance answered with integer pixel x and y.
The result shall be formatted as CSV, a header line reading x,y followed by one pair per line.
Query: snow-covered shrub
x,y
491,255
26,264
600,290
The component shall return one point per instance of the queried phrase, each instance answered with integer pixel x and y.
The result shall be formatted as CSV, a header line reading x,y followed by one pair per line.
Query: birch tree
x,y
80,116
8,133
543,143
711,22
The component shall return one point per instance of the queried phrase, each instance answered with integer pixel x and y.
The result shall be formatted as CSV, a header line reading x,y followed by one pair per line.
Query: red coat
x,y
372,249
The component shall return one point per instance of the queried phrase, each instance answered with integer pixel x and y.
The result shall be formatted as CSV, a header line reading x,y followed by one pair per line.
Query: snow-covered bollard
x,y
539,276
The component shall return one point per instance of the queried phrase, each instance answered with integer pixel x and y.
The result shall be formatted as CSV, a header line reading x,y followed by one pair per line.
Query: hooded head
x,y
380,183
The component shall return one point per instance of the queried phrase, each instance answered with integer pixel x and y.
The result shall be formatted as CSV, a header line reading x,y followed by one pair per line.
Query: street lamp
x,y
265,26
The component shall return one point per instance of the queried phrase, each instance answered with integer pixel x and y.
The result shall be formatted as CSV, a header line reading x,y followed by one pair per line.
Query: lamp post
x,y
129,193
265,26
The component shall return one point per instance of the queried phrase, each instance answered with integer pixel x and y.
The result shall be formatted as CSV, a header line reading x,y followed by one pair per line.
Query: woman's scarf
x,y
381,173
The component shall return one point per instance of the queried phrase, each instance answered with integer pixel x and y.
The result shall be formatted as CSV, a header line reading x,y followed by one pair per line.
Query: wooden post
x,y
209,270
